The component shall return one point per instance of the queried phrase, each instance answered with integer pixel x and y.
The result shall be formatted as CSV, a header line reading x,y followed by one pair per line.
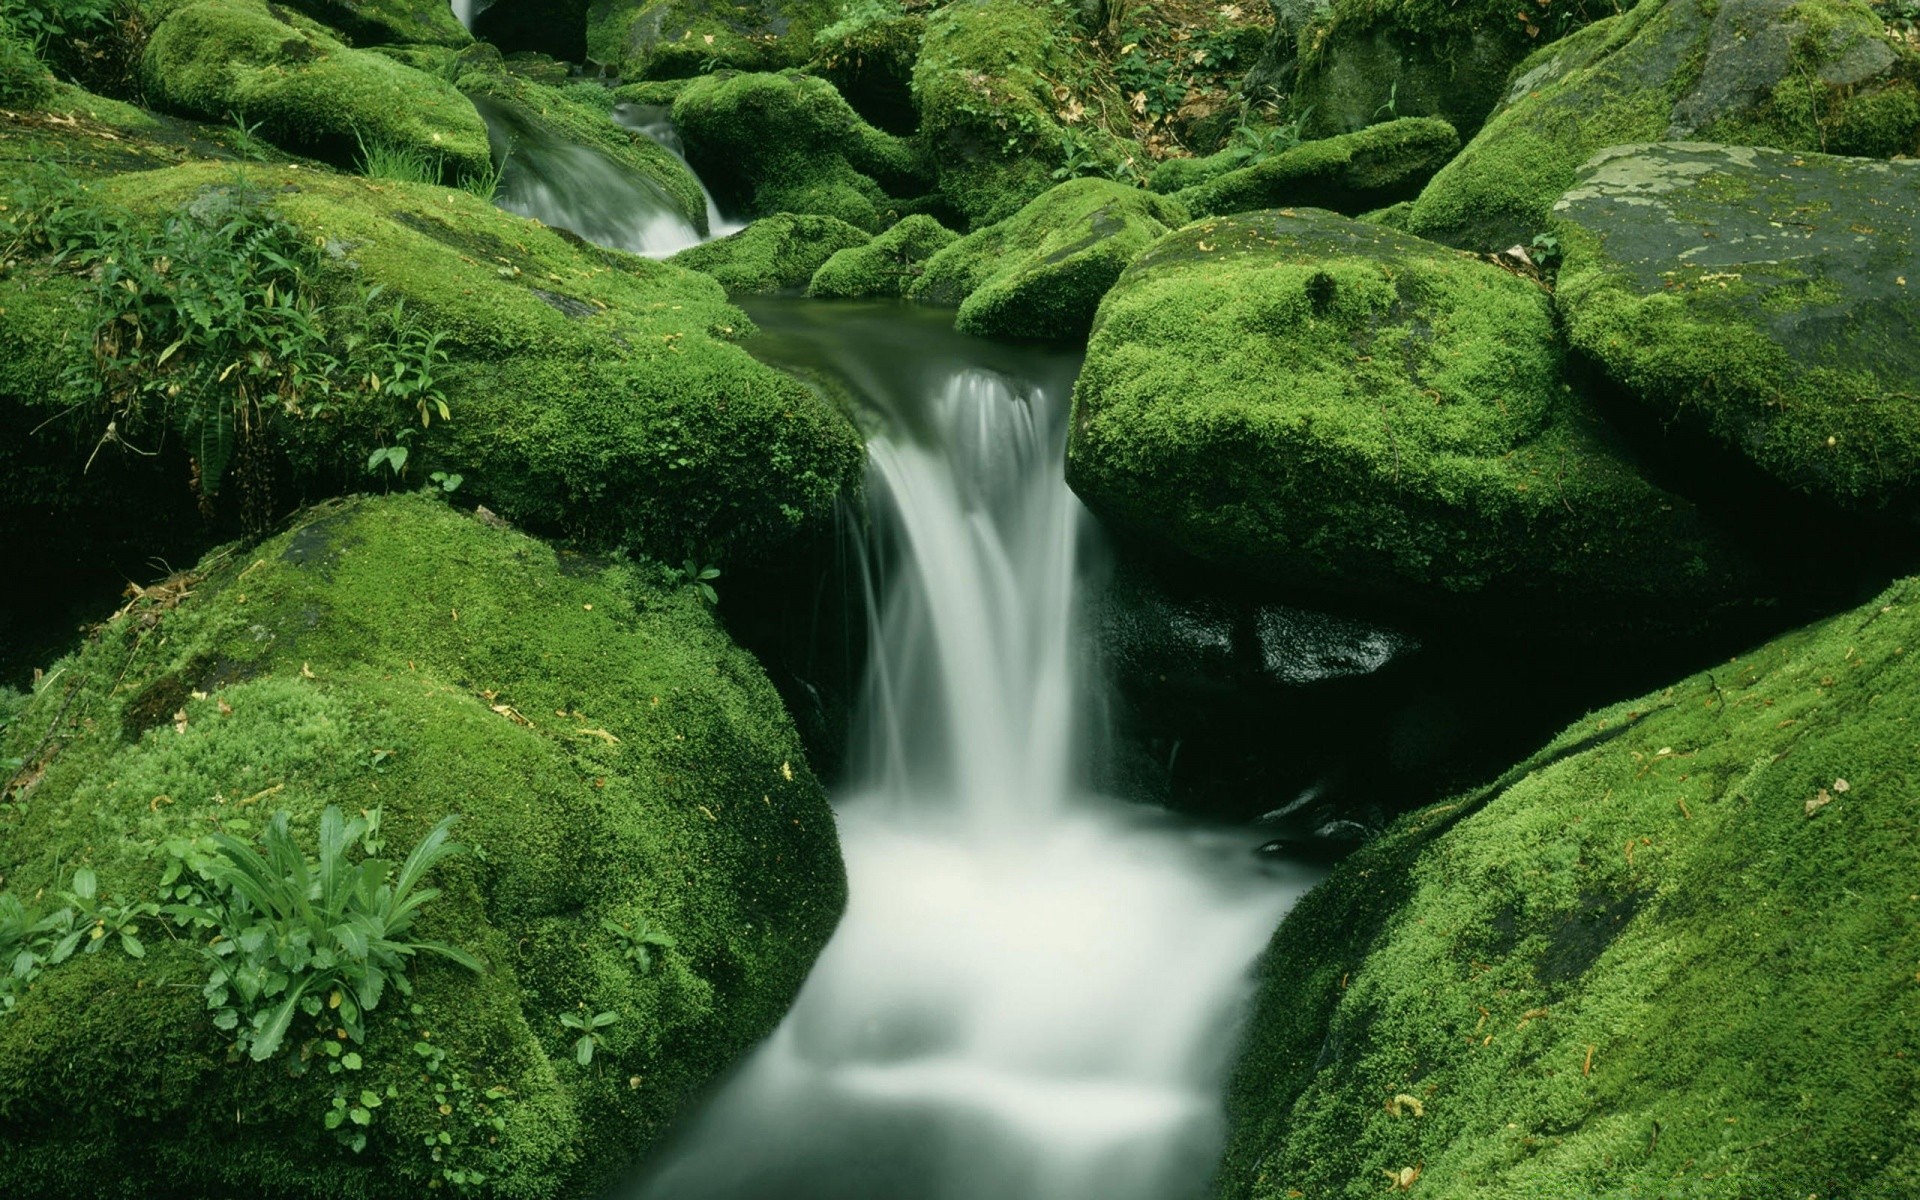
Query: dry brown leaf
x,y
1402,1104
1821,799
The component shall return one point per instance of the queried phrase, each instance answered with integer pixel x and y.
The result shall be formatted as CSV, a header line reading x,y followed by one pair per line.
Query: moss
x,y
1645,76
886,266
24,81
1790,345
307,91
790,143
594,394
1176,174
1379,165
398,22
983,86
774,254
675,39
659,93
1670,955
1335,406
1041,272
609,750
871,61
580,114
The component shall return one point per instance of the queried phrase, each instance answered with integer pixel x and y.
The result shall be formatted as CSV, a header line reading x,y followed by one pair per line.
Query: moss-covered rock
x,y
984,86
396,22
889,265
1380,165
1761,299
774,254
611,755
673,39
1793,74
24,81
869,55
789,143
1041,272
1670,955
593,394
223,58
1335,406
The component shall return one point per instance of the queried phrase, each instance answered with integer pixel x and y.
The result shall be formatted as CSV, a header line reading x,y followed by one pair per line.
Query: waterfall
x,y
1034,991
466,10
651,121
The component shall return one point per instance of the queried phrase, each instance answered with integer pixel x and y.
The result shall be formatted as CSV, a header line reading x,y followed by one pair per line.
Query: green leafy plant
x,y
588,1024
34,937
446,481
294,934
1392,106
1255,143
692,574
486,183
1545,250
402,164
468,1117
52,24
639,940
247,142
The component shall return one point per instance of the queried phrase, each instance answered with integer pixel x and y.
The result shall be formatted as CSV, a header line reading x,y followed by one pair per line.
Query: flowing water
x,y
1034,991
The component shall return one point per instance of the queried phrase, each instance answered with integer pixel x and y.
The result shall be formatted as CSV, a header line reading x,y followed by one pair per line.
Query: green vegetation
x,y
1333,405
774,254
673,39
24,81
889,265
1380,165
1672,954
868,54
588,1025
613,754
1041,272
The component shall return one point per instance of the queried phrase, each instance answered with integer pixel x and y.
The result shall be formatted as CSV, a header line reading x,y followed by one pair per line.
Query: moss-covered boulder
x,y
984,86
1041,272
869,54
774,254
24,80
1671,954
591,394
395,22
1794,74
673,39
612,758
788,142
889,265
219,59
1335,406
1380,165
1761,299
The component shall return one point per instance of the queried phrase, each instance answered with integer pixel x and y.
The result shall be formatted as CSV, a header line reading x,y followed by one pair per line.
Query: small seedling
x,y
589,1026
639,940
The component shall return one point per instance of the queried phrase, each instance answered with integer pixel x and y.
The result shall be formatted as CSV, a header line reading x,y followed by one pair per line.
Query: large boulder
x,y
397,22
1761,299
1334,406
1041,272
673,39
245,59
774,254
1815,75
889,265
1670,954
615,762
1351,173
788,142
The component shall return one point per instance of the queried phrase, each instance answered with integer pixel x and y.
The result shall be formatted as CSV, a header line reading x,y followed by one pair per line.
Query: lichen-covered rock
x,y
673,39
219,59
888,265
789,143
612,757
984,86
1794,74
774,254
1377,166
1041,272
1670,954
1763,299
396,22
1334,406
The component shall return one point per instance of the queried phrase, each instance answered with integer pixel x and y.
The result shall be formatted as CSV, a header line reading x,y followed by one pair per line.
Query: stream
x,y
1035,991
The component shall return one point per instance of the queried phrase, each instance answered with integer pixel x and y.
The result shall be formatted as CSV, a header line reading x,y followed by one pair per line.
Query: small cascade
x,y
651,121
577,187
1034,992
466,10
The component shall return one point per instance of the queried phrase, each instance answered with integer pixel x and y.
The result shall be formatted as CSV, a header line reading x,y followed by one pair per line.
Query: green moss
x,y
1671,955
1041,272
1379,165
580,114
24,81
1790,345
400,22
1644,76
611,753
887,266
651,92
307,91
869,55
675,39
1332,405
774,254
790,143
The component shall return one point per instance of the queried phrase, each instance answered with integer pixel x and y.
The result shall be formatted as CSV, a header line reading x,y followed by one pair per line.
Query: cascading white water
x,y
466,10
1033,992
652,122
